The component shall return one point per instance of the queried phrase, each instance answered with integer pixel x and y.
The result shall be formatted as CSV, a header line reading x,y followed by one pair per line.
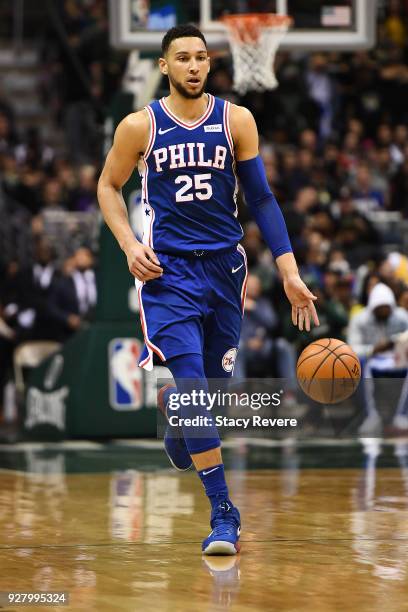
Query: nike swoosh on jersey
x,y
161,131
236,269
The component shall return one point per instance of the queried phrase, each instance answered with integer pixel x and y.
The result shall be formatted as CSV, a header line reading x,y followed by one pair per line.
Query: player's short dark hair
x,y
181,31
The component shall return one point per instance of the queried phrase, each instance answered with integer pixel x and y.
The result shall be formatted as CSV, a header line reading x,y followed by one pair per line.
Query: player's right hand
x,y
143,262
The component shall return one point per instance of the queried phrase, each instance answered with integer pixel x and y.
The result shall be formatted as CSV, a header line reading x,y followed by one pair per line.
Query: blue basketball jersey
x,y
189,186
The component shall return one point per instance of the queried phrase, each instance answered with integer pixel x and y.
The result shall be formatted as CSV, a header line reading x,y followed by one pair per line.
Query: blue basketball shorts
x,y
196,306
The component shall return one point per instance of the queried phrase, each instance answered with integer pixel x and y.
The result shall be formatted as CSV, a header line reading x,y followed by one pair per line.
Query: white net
x,y
254,41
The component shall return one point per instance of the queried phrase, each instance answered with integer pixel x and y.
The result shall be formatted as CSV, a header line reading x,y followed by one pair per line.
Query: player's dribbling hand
x,y
303,308
143,262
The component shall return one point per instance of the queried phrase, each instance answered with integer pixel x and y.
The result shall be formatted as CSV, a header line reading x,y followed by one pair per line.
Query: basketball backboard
x,y
317,24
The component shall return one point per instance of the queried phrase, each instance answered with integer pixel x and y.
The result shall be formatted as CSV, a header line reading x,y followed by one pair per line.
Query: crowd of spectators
x,y
48,205
334,139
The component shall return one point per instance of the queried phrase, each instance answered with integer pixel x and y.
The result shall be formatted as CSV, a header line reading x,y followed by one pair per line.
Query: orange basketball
x,y
328,371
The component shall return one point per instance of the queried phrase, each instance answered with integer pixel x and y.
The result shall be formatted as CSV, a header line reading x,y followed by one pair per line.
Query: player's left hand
x,y
302,300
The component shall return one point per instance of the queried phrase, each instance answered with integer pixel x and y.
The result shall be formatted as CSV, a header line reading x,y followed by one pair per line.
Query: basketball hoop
x,y
254,39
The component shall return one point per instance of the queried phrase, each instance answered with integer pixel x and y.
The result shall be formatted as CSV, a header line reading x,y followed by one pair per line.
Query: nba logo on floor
x,y
125,377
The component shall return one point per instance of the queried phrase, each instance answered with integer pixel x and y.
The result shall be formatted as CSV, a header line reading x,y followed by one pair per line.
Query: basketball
x,y
328,371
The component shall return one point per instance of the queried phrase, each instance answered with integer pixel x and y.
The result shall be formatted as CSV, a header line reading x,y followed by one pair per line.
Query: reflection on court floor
x,y
316,535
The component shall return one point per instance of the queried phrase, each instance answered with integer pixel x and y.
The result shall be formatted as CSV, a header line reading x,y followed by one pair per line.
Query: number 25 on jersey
x,y
197,186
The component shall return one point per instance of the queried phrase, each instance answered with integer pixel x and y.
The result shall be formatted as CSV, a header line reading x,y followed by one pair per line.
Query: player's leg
x,y
171,312
174,443
189,376
222,328
203,444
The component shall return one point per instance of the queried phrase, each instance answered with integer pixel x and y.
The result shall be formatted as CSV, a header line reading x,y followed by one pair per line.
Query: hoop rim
x,y
248,27
235,20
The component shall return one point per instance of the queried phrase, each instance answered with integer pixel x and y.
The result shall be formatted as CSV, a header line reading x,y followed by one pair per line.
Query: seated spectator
x,y
376,323
394,24
392,269
297,167
399,142
253,243
53,195
331,158
322,90
370,335
362,289
312,256
8,294
83,197
322,221
291,181
383,170
67,176
346,213
6,107
350,153
8,137
399,197
33,152
297,213
308,140
344,293
399,266
25,310
355,233
365,195
403,299
74,295
337,262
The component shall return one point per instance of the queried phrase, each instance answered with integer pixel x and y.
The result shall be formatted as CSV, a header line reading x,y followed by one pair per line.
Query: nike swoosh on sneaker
x,y
236,269
161,131
209,471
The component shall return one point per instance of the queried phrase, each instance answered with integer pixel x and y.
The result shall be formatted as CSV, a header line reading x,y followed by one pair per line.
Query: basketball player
x,y
190,270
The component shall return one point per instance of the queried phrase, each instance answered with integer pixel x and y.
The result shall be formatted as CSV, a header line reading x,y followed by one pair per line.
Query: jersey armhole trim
x,y
226,118
152,137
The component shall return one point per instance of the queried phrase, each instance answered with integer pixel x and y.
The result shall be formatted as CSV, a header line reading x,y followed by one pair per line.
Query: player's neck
x,y
187,109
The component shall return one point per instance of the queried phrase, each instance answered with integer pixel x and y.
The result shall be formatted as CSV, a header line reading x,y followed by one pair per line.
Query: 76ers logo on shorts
x,y
228,361
125,376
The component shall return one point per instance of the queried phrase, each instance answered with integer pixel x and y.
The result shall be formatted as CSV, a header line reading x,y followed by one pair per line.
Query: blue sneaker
x,y
174,443
226,529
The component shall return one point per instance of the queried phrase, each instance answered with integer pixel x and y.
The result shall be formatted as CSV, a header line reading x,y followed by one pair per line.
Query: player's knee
x,y
189,366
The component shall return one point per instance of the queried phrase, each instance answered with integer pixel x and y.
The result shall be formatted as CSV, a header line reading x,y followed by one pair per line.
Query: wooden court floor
x,y
119,530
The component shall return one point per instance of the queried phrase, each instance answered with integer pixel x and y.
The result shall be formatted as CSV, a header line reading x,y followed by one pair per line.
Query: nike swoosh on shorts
x,y
236,269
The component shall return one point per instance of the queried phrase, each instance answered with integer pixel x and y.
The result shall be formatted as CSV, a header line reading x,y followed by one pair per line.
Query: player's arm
x,y
268,215
130,141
